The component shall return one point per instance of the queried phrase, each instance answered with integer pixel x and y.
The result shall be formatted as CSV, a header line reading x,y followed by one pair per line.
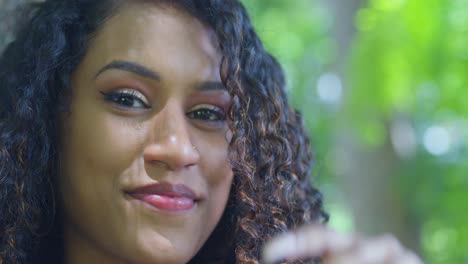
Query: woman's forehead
x,y
151,34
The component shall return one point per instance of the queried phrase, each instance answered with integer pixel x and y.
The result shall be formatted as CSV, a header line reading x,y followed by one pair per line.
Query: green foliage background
x,y
408,58
411,57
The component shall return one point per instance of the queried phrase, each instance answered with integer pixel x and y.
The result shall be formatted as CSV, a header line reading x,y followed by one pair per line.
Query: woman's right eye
x,y
127,98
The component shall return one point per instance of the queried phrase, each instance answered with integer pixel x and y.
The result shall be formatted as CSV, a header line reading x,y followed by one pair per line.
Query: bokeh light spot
x,y
437,140
330,88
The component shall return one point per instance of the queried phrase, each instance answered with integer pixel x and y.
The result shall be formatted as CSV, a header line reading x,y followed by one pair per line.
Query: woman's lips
x,y
166,196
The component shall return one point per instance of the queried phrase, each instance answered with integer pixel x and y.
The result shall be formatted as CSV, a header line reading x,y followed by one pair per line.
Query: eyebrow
x,y
130,67
211,86
148,73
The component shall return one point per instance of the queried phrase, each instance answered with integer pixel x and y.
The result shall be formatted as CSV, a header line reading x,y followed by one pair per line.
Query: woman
x,y
152,131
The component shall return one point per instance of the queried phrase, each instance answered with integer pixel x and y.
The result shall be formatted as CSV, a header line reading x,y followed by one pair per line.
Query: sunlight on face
x,y
145,173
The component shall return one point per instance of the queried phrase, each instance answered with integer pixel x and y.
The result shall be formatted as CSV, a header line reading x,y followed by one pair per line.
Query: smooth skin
x,y
147,107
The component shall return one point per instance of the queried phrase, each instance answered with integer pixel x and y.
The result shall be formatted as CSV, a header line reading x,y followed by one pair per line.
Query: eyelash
x,y
126,98
208,113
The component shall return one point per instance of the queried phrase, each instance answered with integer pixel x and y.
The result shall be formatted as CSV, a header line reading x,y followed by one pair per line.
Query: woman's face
x,y
145,174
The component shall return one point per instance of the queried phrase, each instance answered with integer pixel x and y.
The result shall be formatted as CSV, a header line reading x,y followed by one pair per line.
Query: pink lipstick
x,y
166,196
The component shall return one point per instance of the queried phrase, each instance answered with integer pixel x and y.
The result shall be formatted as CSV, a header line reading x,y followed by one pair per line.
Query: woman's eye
x,y
127,98
209,113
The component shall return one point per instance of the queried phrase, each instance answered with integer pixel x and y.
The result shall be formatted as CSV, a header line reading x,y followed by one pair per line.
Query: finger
x,y
348,257
306,242
387,249
279,248
383,249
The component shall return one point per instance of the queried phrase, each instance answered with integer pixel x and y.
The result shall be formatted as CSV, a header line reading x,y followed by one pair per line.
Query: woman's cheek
x,y
115,142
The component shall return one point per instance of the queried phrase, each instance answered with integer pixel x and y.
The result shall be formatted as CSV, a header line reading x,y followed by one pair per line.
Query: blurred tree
x,y
408,66
8,19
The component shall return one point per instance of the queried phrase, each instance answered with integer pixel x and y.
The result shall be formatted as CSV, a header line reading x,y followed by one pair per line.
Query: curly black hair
x,y
269,152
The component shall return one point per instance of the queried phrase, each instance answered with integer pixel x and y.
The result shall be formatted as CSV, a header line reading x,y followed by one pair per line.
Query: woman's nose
x,y
170,144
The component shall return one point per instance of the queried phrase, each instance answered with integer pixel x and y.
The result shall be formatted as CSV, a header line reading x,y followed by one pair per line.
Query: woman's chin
x,y
158,249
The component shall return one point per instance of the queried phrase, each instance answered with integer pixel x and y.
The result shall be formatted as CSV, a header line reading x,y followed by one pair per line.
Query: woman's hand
x,y
337,248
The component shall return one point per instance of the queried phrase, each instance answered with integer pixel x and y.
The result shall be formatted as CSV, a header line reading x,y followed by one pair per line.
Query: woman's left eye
x,y
127,98
209,113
